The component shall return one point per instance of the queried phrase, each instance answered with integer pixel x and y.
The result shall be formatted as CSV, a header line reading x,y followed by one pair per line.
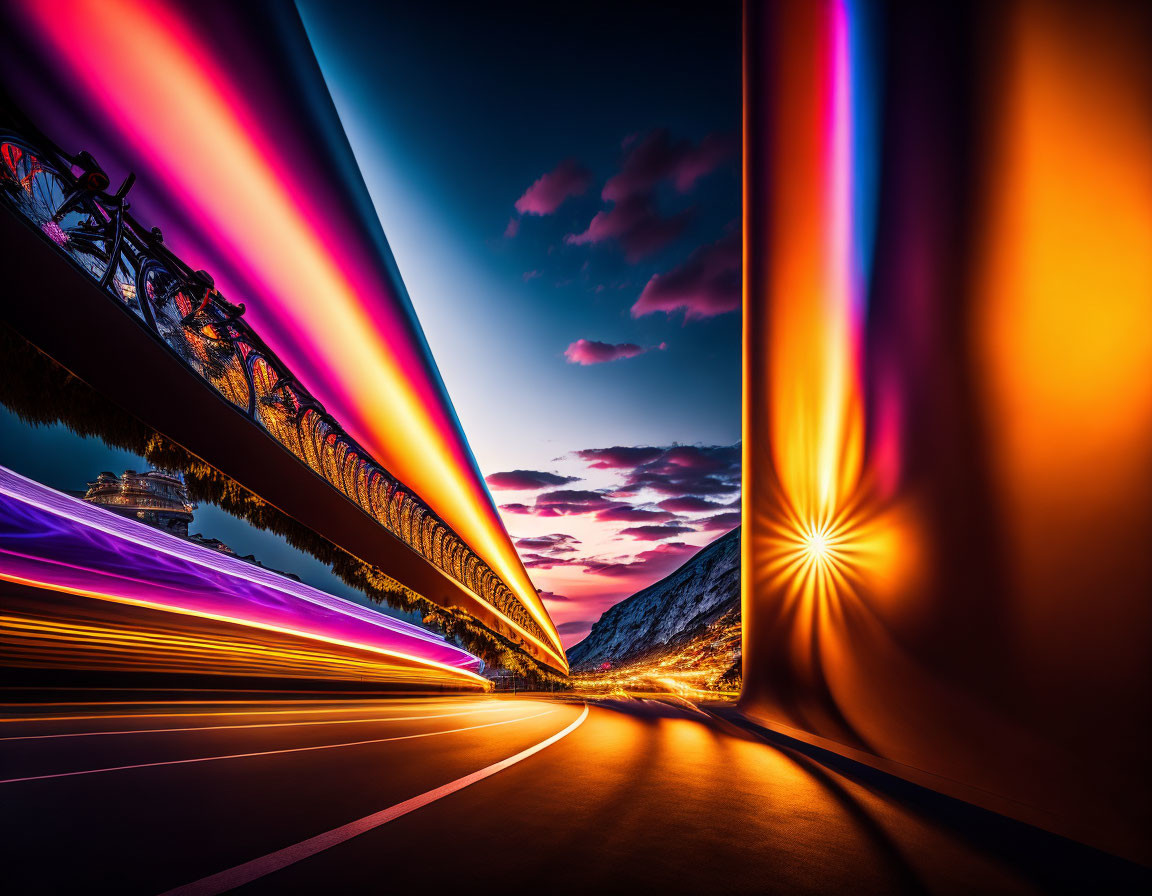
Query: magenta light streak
x,y
49,537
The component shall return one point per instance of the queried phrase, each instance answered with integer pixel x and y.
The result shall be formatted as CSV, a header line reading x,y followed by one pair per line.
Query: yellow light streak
x,y
283,630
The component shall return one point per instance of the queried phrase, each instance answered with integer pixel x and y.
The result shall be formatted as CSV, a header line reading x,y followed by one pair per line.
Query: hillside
x,y
678,611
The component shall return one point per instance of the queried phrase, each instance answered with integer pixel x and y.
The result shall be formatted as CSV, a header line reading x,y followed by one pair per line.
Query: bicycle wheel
x,y
32,186
37,190
169,303
203,342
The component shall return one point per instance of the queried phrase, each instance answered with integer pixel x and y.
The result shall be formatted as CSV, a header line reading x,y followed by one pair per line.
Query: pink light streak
x,y
55,541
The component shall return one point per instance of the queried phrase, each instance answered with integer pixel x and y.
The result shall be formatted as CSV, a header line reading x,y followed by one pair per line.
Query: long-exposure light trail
x,y
300,724
113,559
222,156
345,706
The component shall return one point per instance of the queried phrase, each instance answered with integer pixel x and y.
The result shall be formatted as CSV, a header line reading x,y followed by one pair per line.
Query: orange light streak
x,y
429,664
1064,315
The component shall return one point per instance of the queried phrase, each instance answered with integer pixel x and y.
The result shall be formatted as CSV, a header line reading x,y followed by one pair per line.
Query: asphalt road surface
x,y
476,795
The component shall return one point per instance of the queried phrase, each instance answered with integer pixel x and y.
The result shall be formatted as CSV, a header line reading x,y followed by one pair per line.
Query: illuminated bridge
x,y
383,486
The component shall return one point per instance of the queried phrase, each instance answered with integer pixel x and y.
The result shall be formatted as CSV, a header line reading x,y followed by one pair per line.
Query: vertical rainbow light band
x,y
822,245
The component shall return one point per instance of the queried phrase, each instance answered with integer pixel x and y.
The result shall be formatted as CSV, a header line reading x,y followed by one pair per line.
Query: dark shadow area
x,y
1052,862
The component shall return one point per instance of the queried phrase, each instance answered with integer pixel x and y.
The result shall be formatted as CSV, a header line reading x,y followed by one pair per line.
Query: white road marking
x,y
355,743
443,715
232,878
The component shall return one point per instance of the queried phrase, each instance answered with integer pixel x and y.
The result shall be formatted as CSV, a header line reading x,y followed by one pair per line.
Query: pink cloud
x,y
656,533
656,157
635,224
619,457
693,457
647,566
550,190
512,229
575,627
701,160
705,285
531,275
520,480
589,351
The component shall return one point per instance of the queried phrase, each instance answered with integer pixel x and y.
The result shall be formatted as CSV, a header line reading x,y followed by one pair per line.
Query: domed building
x,y
157,498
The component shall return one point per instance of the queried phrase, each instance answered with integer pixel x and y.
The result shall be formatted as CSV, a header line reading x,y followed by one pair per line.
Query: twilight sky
x,y
560,189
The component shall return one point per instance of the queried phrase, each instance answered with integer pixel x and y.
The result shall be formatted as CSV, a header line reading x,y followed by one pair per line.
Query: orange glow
x,y
1064,318
948,485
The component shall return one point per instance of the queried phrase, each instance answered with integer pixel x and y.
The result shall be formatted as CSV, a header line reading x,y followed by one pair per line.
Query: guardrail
x,y
64,197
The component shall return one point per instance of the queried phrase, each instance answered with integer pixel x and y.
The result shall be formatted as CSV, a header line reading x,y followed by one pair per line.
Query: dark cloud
x,y
705,285
626,514
552,597
721,522
677,470
685,485
656,533
564,502
657,157
690,504
548,561
519,480
636,225
569,628
550,190
588,351
557,543
569,496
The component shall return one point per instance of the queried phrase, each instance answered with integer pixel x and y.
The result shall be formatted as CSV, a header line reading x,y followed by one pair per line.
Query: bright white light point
x,y
816,544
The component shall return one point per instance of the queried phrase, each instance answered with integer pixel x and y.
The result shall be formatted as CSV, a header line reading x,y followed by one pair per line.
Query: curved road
x,y
483,794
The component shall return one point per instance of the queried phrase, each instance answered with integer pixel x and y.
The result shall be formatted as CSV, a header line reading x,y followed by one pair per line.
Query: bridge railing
x,y
65,198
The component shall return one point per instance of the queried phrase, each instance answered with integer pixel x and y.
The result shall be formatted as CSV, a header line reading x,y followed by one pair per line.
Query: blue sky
x,y
451,125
